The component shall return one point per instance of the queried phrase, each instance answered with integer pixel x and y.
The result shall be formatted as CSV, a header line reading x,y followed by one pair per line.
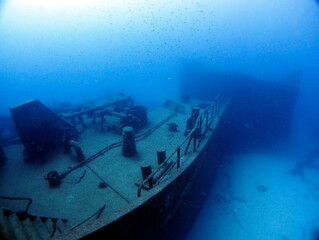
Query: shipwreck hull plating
x,y
168,210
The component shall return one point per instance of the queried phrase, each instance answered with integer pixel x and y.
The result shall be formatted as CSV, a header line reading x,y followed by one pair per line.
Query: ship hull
x,y
166,212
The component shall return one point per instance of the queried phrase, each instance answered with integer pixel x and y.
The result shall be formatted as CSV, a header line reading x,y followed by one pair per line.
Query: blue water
x,y
73,50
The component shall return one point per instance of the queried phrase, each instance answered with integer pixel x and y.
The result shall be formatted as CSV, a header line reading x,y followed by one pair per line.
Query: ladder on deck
x,y
23,226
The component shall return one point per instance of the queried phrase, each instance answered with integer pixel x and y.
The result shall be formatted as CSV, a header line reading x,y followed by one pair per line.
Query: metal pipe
x,y
94,109
78,150
82,122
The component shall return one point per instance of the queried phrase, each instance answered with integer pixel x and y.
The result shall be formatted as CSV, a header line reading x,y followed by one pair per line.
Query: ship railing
x,y
196,135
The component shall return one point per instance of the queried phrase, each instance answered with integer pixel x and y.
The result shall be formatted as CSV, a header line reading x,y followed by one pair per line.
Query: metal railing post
x,y
189,142
200,125
178,157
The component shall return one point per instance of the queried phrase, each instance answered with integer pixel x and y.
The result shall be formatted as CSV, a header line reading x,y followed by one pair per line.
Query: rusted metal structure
x,y
128,184
40,129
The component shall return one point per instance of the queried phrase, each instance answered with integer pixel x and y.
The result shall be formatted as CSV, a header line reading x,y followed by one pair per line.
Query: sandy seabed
x,y
255,198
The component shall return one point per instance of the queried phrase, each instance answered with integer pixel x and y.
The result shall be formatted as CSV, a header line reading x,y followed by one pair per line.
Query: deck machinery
x,y
110,169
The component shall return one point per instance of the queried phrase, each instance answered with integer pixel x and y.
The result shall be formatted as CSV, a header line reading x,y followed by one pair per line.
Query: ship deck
x,y
79,195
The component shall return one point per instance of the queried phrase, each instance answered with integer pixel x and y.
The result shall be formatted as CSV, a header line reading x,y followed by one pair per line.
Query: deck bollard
x,y
161,156
195,114
147,171
129,146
